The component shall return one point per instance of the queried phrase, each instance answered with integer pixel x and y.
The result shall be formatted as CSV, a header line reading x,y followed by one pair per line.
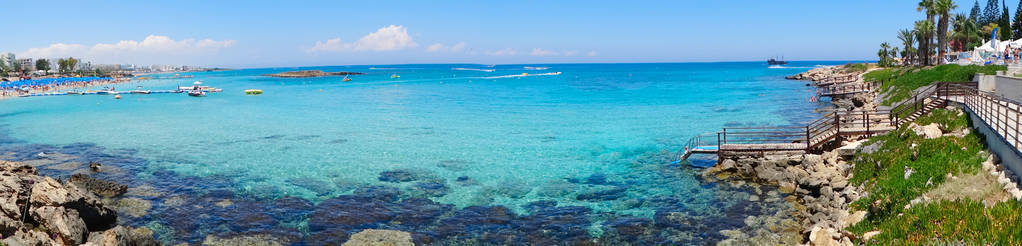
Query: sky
x,y
259,33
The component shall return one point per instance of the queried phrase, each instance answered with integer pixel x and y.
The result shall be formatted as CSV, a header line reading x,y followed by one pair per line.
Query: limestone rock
x,y
65,223
373,237
854,218
870,234
58,214
930,131
98,186
850,149
247,240
29,237
122,236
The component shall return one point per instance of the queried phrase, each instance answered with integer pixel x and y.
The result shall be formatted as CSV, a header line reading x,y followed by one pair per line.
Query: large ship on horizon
x,y
775,61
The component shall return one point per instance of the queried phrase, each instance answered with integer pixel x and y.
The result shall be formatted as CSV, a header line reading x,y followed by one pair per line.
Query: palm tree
x,y
922,28
883,54
927,7
965,32
943,7
908,38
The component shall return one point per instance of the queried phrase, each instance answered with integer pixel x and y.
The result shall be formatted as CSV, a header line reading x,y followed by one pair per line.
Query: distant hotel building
x,y
26,64
8,59
83,66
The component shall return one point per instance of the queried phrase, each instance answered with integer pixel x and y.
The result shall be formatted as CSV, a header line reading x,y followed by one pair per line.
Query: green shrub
x,y
900,82
947,119
856,67
882,173
963,221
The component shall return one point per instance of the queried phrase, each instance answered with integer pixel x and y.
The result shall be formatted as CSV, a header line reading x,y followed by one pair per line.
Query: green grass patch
x,y
856,67
948,120
963,221
882,174
900,82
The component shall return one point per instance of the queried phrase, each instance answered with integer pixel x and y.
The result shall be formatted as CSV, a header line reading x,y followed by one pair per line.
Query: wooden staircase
x,y
925,109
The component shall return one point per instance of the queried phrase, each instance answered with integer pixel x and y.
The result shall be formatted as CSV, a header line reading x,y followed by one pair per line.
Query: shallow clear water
x,y
456,136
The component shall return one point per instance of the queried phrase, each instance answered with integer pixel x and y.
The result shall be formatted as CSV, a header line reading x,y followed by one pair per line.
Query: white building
x,y
8,59
83,66
27,64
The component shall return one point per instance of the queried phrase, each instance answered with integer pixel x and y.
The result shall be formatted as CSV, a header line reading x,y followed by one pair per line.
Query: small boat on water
x,y
197,86
139,90
346,79
395,76
197,93
106,92
253,91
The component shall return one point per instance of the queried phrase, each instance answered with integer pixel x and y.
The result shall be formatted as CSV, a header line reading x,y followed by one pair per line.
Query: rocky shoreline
x,y
817,74
818,184
310,74
41,210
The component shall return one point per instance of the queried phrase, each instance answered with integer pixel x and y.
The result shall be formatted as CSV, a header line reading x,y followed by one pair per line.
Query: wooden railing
x,y
1000,113
902,110
839,78
834,125
847,89
764,135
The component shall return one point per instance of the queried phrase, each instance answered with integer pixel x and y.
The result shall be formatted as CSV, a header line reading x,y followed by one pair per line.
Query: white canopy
x,y
999,46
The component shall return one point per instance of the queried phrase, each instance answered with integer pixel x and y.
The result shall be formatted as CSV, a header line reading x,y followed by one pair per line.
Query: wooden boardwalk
x,y
847,89
1000,114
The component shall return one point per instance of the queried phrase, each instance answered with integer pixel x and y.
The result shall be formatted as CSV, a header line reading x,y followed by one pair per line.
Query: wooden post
x,y
808,139
868,132
718,143
837,125
725,137
915,103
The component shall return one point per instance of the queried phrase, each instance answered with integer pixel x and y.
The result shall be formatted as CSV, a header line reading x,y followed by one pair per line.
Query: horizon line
x,y
505,64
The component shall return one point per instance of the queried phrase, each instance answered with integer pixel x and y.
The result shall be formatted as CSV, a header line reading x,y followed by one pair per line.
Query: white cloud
x,y
331,45
458,47
56,50
150,49
388,38
503,52
542,52
438,47
570,53
592,53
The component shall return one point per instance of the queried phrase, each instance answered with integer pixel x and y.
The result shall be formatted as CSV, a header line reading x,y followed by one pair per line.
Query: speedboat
x,y
197,93
395,76
253,91
139,90
106,92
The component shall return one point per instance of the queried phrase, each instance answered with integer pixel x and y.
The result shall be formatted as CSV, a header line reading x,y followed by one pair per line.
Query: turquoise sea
x,y
443,151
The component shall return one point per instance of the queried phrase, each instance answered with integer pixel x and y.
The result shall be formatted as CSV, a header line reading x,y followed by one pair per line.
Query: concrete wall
x,y
1009,87
986,82
1005,86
